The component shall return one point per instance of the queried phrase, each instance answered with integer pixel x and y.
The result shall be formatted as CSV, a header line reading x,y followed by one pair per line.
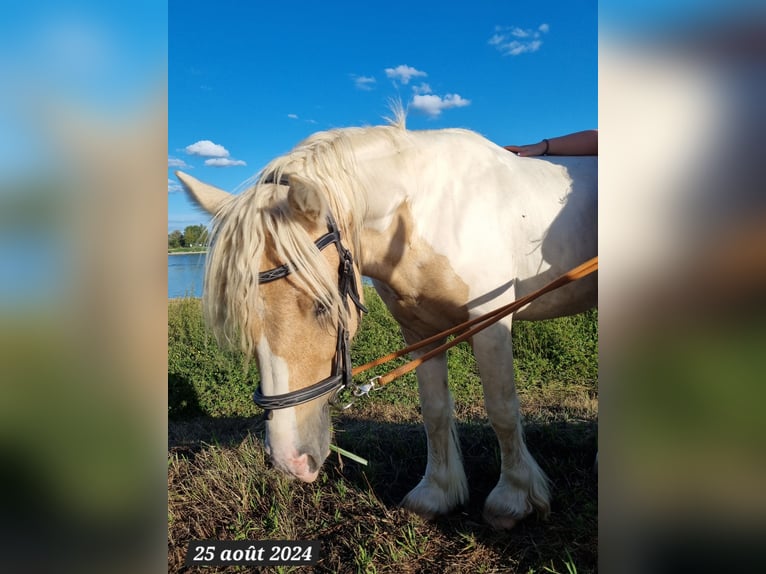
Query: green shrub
x,y
562,350
204,379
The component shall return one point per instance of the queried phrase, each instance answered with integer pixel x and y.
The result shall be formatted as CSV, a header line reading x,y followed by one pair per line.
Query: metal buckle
x,y
356,390
335,401
364,390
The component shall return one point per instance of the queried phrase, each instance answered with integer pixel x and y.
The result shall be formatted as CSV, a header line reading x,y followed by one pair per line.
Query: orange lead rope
x,y
473,326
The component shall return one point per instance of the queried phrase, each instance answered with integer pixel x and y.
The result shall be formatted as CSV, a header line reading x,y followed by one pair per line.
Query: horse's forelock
x,y
231,291
260,215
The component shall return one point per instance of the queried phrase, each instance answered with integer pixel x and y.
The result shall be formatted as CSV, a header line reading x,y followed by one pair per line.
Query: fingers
x,y
519,150
524,150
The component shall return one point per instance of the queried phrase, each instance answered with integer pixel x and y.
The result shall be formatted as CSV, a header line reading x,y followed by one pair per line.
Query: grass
x,y
220,485
187,249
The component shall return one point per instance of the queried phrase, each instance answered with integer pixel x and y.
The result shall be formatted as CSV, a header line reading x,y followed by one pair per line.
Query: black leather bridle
x,y
347,288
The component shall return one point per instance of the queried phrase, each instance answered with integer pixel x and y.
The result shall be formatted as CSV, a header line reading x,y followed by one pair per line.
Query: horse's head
x,y
280,283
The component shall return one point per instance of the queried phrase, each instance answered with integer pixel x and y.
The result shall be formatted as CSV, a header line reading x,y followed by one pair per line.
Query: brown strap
x,y
478,324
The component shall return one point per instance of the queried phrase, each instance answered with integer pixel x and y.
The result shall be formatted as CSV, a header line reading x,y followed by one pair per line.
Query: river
x,y
185,272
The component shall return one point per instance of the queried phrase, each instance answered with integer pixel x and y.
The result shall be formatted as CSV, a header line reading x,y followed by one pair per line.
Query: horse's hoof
x,y
499,522
506,506
429,501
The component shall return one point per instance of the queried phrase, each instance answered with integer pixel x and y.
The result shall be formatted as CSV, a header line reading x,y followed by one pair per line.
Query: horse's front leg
x,y
523,486
444,486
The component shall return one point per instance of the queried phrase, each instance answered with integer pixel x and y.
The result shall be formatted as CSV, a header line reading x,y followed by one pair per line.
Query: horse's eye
x,y
320,310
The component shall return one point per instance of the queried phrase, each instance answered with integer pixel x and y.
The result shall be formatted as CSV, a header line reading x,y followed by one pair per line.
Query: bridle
x,y
347,288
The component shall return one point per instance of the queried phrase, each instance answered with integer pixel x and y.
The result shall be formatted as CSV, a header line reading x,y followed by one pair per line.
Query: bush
x,y
562,350
203,378
206,380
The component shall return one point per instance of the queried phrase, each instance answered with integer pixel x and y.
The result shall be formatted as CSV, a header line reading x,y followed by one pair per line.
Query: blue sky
x,y
249,80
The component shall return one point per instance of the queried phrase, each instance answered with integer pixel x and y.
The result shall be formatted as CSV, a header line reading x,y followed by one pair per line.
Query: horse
x,y
448,226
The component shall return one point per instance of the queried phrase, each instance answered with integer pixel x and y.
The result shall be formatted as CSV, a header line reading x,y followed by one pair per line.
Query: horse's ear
x,y
305,199
208,197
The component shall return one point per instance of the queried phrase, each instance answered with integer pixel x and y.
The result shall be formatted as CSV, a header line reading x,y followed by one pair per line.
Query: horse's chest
x,y
420,287
423,313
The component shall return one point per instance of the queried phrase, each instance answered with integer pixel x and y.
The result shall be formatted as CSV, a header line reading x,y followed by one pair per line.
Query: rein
x,y
472,327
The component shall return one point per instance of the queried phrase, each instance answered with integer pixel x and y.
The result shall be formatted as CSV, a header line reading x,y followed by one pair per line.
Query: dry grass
x,y
221,487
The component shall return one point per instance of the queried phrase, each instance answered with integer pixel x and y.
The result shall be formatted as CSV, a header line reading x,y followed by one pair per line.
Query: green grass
x,y
202,378
187,250
221,486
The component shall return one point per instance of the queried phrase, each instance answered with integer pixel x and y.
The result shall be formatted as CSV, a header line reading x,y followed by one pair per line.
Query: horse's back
x,y
457,225
507,224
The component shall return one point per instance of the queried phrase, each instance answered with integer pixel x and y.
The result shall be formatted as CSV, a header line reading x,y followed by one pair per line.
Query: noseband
x,y
347,288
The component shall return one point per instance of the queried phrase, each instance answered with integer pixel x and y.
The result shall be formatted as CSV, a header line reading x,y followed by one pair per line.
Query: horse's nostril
x,y
312,463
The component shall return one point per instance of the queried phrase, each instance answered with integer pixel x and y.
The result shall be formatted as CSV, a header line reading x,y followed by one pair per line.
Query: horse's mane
x,y
260,216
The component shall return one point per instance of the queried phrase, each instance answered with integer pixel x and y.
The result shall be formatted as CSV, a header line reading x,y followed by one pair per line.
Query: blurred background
x,y
682,280
83,225
82,286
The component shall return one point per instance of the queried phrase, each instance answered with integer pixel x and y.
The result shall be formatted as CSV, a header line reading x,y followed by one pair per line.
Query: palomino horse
x,y
449,226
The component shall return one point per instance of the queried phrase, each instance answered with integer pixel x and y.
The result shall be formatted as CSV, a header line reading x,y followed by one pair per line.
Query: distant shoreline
x,y
185,252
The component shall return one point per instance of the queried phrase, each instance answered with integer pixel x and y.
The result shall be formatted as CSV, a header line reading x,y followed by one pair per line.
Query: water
x,y
185,273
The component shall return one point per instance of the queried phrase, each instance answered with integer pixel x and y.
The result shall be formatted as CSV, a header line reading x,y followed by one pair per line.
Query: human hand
x,y
539,148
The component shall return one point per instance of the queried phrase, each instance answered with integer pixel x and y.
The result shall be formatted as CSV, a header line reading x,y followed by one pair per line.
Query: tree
x,y
176,239
195,235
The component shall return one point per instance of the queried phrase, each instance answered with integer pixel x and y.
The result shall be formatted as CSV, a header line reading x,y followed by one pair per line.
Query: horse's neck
x,y
384,224
393,250
412,175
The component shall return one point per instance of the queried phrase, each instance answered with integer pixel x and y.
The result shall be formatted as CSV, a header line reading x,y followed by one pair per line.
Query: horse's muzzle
x,y
302,467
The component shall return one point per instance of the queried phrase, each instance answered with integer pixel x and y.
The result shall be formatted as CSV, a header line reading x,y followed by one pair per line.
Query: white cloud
x,y
223,162
432,105
519,33
175,162
173,186
514,41
297,117
515,48
404,73
366,83
422,88
206,148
